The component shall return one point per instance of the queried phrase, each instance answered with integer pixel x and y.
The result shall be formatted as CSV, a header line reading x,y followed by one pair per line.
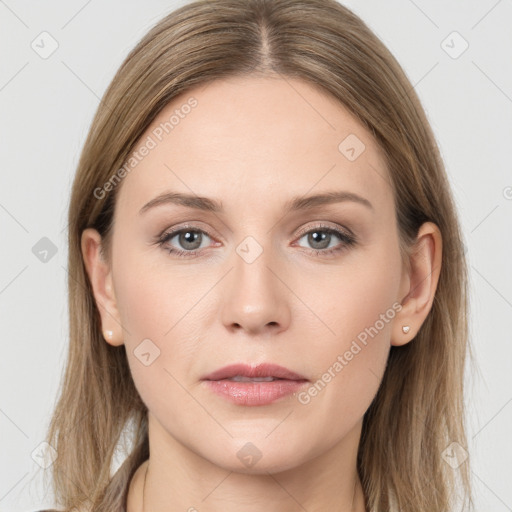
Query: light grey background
x,y
47,106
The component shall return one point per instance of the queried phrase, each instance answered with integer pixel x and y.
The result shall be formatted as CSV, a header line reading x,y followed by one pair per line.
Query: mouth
x,y
247,385
243,378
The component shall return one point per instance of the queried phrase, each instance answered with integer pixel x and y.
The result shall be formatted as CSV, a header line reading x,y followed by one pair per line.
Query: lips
x,y
259,385
265,372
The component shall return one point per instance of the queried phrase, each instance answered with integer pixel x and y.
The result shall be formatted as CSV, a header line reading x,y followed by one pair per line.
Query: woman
x,y
267,286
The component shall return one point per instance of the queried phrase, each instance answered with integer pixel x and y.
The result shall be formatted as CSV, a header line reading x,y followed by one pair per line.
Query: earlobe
x,y
420,284
100,276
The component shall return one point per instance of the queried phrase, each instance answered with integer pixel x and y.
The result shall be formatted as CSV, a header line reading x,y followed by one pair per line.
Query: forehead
x,y
245,138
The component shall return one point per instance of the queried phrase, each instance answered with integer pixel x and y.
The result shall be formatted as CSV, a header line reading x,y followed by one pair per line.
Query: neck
x,y
177,479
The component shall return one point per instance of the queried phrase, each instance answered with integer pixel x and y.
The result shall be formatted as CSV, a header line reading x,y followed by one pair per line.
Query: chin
x,y
256,455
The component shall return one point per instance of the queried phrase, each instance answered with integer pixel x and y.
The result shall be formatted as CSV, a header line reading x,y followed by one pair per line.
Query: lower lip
x,y
254,393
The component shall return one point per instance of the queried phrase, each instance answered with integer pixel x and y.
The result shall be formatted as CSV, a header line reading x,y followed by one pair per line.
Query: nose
x,y
255,298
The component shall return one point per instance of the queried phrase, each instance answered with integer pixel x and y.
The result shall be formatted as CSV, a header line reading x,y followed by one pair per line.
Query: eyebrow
x,y
293,204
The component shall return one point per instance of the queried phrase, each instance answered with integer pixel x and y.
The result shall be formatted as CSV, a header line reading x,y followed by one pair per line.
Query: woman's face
x,y
256,281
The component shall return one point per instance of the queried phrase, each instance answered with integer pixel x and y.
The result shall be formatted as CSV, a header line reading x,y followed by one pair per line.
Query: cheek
x,y
355,307
156,312
151,297
345,299
143,307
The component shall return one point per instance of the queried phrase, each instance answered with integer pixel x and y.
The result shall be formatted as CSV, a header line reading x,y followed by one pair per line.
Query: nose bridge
x,y
254,299
252,264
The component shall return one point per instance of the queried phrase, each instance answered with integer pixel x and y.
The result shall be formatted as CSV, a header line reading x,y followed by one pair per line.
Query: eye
x,y
190,239
322,239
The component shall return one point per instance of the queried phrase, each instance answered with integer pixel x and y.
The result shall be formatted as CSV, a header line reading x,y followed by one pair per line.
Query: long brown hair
x,y
419,409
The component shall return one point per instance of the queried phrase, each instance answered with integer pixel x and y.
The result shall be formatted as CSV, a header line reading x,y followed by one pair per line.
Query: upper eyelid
x,y
176,230
322,225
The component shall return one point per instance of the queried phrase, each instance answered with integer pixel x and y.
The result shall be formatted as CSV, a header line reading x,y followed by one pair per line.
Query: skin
x,y
253,143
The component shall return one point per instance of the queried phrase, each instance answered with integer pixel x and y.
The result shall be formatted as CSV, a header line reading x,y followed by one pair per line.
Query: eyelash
x,y
347,239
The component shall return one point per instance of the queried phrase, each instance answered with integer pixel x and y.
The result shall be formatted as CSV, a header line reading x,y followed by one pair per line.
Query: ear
x,y
419,283
100,275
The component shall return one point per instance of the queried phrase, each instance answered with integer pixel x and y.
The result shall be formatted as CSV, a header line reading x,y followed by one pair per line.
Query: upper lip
x,y
260,370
